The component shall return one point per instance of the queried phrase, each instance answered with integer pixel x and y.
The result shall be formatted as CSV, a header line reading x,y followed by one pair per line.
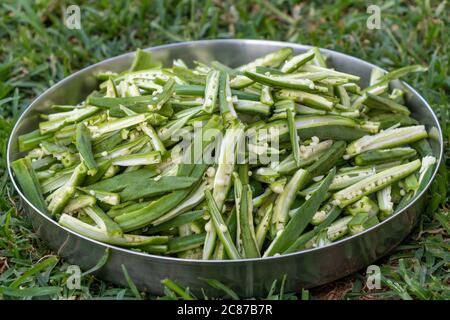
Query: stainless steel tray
x,y
251,277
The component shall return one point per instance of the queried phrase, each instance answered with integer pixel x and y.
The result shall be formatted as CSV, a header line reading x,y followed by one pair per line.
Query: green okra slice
x,y
110,198
246,225
384,155
144,188
221,228
137,159
79,202
286,236
182,219
123,180
84,146
385,202
327,160
29,183
356,225
143,60
156,142
266,96
309,99
278,81
199,91
343,179
62,195
301,241
211,91
395,74
193,199
32,140
338,229
228,152
118,124
296,62
185,243
64,118
272,59
374,183
386,139
126,207
226,98
365,205
385,104
259,200
266,211
96,233
142,217
252,107
293,137
287,197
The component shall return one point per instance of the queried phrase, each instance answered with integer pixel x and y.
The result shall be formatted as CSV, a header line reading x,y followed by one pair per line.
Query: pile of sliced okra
x,y
342,158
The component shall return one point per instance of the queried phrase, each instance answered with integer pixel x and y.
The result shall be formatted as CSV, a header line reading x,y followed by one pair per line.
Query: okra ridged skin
x,y
215,162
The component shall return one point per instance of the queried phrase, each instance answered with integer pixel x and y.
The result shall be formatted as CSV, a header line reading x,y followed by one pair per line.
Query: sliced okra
x,y
387,139
384,155
374,183
211,91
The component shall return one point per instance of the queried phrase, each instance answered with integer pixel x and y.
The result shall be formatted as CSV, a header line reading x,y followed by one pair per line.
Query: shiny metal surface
x,y
251,277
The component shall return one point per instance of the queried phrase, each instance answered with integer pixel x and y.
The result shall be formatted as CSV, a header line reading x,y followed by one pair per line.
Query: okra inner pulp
x,y
227,162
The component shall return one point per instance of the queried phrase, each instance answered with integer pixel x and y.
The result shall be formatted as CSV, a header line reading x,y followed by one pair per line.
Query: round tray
x,y
249,277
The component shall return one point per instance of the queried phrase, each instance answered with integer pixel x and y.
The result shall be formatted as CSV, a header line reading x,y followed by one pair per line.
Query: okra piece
x,y
62,195
285,237
266,96
118,124
252,107
293,136
307,236
385,104
259,200
211,91
227,158
245,222
338,229
220,226
287,197
356,225
365,205
32,140
281,81
96,233
137,159
384,155
182,219
309,99
385,202
70,117
272,59
374,183
79,202
106,197
196,197
123,180
154,138
29,183
297,61
226,98
263,227
185,243
327,160
84,146
387,139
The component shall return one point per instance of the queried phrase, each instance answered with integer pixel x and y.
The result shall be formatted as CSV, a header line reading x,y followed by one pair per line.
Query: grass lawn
x,y
37,50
